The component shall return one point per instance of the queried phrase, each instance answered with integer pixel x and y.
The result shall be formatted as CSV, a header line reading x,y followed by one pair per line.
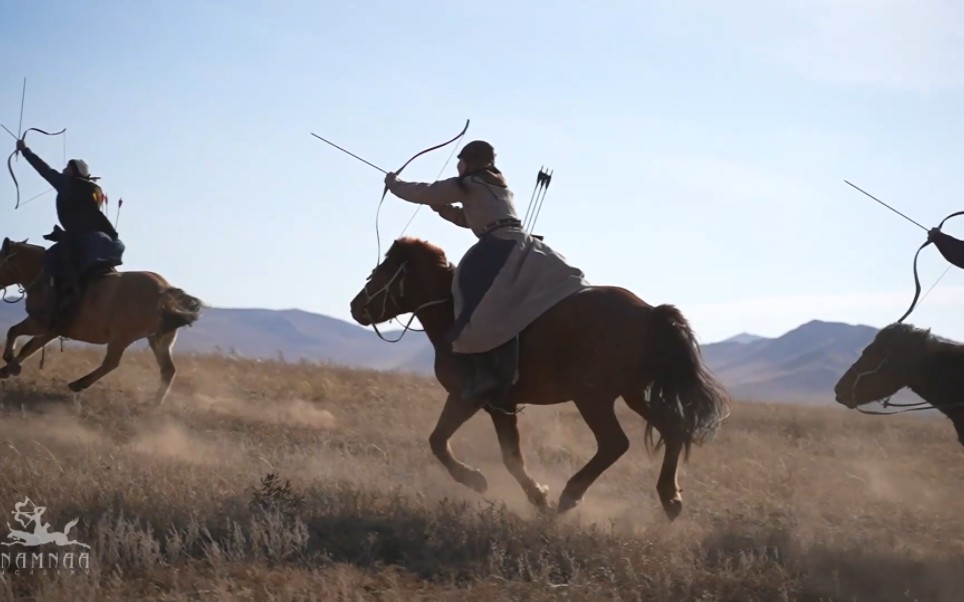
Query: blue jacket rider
x,y
79,201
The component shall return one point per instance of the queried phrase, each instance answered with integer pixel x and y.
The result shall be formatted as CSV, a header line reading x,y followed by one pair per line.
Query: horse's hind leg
x,y
115,350
667,486
161,345
611,443
455,413
507,429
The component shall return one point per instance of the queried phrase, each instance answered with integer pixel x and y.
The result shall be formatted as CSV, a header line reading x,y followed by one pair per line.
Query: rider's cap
x,y
478,152
80,167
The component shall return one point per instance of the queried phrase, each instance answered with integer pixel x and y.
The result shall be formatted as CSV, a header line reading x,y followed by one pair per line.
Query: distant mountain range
x,y
801,365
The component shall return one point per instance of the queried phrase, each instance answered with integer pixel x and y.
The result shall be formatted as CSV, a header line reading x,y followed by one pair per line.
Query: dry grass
x,y
177,504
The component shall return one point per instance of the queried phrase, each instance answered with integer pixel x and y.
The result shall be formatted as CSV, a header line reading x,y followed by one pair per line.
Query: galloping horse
x,y
904,356
117,309
591,348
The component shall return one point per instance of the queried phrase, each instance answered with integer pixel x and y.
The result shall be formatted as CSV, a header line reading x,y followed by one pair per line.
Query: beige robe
x,y
533,278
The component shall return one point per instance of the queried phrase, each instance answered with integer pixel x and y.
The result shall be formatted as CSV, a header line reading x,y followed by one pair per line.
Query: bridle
x,y
885,402
389,295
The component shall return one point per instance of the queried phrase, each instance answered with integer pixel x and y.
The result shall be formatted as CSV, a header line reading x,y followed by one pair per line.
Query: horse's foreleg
x,y
31,347
611,443
29,326
115,349
507,429
161,346
455,413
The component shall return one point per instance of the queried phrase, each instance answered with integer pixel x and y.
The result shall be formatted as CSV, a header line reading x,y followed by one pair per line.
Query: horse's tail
x,y
178,309
686,401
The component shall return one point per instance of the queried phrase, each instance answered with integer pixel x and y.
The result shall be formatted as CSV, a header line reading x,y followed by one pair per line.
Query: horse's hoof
x,y
540,497
75,387
476,481
673,508
11,369
567,502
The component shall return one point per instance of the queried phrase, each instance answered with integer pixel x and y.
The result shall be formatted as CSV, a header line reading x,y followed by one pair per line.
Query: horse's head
x,y
884,367
412,274
19,262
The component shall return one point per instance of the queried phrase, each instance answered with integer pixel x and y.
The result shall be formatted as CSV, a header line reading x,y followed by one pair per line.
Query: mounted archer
x,y
505,280
85,242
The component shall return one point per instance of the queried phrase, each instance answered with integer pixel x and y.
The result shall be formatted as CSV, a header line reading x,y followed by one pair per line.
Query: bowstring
x,y
49,190
419,207
409,223
378,211
944,273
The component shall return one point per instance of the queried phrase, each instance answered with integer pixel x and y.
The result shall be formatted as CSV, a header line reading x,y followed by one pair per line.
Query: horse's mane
x,y
910,334
419,252
29,245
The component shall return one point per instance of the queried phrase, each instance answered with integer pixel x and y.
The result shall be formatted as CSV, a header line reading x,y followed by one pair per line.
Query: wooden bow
x,y
428,150
916,277
14,154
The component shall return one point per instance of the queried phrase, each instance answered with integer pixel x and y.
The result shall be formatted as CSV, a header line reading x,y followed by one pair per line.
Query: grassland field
x,y
273,481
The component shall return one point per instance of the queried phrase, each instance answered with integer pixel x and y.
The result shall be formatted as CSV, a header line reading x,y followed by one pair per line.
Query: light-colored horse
x,y
117,309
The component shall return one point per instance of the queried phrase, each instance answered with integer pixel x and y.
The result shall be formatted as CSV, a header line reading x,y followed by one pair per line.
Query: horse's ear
x,y
6,244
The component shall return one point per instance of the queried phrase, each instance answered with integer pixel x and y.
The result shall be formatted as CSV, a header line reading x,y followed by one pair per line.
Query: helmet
x,y
478,153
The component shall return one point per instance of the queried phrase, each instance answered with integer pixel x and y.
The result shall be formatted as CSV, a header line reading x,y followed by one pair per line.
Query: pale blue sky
x,y
699,149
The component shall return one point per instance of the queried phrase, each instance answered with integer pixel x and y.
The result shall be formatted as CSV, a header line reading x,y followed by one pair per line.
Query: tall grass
x,y
270,481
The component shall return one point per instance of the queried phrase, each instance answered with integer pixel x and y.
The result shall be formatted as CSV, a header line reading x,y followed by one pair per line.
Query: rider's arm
x,y
55,178
443,192
454,214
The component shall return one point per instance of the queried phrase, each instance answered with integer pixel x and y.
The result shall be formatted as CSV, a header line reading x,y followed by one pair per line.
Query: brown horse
x,y
904,356
591,348
117,309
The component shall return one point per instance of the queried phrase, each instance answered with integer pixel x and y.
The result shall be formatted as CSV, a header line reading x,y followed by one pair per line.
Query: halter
x,y
386,290
885,401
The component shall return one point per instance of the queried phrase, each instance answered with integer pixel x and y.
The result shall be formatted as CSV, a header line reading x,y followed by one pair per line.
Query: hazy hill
x,y
801,365
743,337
